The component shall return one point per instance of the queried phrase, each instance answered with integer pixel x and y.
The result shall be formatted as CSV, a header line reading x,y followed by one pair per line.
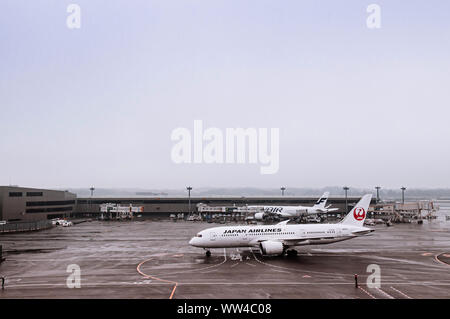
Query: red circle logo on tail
x,y
359,213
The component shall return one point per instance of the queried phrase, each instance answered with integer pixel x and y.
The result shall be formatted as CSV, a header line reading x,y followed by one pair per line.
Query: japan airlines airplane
x,y
295,211
276,239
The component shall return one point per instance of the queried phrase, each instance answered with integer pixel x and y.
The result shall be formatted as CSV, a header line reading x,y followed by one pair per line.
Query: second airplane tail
x,y
320,204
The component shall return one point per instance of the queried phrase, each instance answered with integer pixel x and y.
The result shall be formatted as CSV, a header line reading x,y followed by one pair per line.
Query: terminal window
x,y
34,194
15,194
51,203
48,210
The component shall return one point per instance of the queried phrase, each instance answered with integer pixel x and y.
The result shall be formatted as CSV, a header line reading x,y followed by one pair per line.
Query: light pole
x,y
403,194
189,188
282,190
378,193
345,188
92,189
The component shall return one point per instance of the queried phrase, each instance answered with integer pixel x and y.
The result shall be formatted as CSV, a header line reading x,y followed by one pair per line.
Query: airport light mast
x,y
345,188
403,194
378,193
189,188
282,190
92,189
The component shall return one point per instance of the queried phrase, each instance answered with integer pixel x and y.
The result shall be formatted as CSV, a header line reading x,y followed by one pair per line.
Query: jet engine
x,y
271,247
259,216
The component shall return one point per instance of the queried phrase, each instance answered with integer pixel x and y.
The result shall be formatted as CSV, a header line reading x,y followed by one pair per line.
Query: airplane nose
x,y
191,242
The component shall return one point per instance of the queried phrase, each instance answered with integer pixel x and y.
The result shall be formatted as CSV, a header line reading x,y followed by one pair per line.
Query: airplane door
x,y
244,238
213,236
301,233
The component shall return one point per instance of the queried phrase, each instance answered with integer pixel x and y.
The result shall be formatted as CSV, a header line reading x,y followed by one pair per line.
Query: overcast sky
x,y
97,105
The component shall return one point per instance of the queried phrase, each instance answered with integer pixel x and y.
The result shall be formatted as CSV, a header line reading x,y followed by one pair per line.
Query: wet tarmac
x,y
152,259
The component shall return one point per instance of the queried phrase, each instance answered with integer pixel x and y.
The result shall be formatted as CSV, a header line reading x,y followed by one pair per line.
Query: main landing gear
x,y
291,253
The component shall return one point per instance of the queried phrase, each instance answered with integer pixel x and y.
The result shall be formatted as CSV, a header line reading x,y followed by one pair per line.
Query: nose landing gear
x,y
208,253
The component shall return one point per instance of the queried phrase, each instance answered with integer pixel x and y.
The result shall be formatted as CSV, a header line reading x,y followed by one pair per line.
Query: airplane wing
x,y
363,232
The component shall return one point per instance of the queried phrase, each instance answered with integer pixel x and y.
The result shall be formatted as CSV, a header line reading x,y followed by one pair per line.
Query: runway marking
x,y
368,293
250,264
427,254
235,264
436,257
201,269
401,293
334,274
175,283
385,293
290,283
276,283
298,270
173,291
282,271
138,268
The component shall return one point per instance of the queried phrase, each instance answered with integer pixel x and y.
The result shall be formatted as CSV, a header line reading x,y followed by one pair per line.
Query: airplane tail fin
x,y
320,204
358,214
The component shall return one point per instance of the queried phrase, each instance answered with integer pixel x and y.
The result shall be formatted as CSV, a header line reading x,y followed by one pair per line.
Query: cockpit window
x,y
199,235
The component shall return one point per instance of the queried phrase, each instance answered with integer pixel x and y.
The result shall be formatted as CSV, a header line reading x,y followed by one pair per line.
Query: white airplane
x,y
294,211
276,239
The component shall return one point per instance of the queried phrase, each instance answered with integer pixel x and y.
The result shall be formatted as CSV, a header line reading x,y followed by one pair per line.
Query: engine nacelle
x,y
271,247
259,216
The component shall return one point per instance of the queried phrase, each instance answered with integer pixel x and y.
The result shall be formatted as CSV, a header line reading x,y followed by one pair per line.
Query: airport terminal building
x,y
163,206
19,204
31,204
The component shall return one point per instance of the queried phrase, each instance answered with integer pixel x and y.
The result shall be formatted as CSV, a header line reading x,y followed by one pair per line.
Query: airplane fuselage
x,y
292,211
287,211
289,235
